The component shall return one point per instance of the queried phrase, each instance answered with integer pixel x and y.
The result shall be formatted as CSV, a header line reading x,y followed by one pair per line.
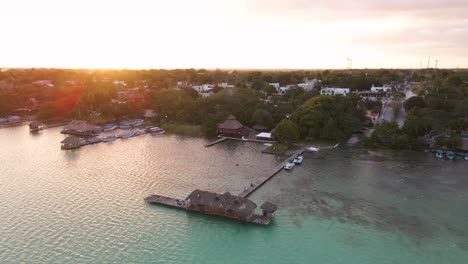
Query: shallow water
x,y
342,206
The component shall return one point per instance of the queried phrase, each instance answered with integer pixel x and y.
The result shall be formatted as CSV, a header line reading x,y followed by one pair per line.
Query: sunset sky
x,y
233,34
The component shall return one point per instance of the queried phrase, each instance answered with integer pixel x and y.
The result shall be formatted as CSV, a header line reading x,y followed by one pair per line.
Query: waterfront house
x,y
80,128
232,128
36,126
72,142
264,136
334,91
226,205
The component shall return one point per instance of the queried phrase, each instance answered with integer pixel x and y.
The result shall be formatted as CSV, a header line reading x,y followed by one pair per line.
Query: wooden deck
x,y
260,219
216,141
167,201
270,175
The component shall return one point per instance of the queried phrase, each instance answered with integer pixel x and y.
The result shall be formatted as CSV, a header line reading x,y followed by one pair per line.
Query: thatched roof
x,y
231,123
269,207
226,201
71,141
35,124
80,126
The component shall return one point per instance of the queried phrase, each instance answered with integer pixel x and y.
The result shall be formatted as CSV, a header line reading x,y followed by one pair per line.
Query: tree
x,y
286,131
269,90
262,117
413,102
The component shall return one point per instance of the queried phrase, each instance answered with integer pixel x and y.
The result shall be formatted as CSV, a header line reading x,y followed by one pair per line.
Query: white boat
x,y
156,131
466,157
109,139
289,165
125,124
298,159
139,132
127,134
109,127
313,149
137,122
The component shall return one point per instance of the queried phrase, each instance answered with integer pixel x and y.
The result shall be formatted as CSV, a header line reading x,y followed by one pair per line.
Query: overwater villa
x,y
81,128
232,128
225,205
35,126
72,142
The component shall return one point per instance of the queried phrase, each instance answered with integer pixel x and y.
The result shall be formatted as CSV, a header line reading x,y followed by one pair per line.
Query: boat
x,y
440,153
139,132
109,127
137,122
36,126
289,165
155,131
127,134
125,124
298,159
312,149
450,155
109,138
466,157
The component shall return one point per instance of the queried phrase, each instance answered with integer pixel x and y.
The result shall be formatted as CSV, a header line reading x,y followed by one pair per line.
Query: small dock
x,y
266,178
216,142
167,201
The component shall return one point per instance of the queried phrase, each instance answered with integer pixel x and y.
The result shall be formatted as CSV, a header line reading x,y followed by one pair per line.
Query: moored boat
x,y
137,122
298,159
125,124
156,131
139,132
312,149
450,155
466,157
109,127
35,126
127,134
289,165
440,153
109,138
93,140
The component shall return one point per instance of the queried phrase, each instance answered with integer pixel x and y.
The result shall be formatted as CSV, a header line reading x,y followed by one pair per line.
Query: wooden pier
x,y
216,141
167,201
270,175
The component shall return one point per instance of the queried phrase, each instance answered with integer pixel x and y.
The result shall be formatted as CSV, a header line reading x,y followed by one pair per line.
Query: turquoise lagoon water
x,y
342,206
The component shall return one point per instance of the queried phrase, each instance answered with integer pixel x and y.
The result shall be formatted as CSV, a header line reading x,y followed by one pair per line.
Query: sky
x,y
228,34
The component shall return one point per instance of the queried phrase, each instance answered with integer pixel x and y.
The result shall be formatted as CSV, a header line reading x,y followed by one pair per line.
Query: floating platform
x,y
167,201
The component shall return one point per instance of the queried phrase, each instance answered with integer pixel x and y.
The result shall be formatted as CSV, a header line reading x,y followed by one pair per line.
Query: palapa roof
x,y
226,201
231,123
79,125
35,124
269,207
71,141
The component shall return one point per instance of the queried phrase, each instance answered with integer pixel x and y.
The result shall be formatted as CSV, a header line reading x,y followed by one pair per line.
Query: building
x,y
334,91
265,136
226,205
383,89
232,128
80,128
308,85
72,142
276,85
44,83
226,85
205,88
